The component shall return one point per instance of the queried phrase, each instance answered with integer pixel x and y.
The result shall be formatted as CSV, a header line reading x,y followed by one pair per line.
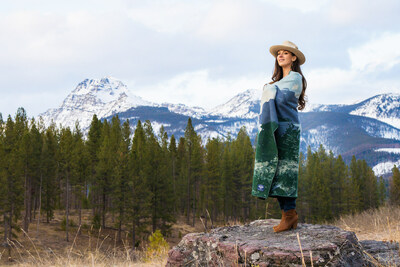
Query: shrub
x,y
96,221
71,223
157,246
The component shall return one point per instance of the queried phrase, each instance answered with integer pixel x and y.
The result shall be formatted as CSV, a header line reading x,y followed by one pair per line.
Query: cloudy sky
x,y
200,53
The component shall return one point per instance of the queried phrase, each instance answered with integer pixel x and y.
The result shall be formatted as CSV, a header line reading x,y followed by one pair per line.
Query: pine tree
x,y
193,169
181,172
340,175
174,171
66,165
394,191
36,132
93,144
245,170
212,188
30,151
227,174
104,168
140,195
355,187
382,191
13,182
370,192
80,170
165,201
121,139
300,207
49,172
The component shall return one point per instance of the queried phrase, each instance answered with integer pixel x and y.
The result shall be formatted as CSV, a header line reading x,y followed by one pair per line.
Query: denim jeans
x,y
287,203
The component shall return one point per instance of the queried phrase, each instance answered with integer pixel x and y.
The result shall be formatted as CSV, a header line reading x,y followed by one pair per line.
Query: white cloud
x,y
172,16
226,19
327,85
304,5
49,46
340,86
379,53
369,14
363,78
48,38
198,88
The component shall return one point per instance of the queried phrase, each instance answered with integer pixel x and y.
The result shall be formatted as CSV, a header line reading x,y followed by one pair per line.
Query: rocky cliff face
x,y
256,244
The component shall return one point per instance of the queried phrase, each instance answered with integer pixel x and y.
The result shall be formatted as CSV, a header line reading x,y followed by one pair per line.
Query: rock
x,y
385,253
256,244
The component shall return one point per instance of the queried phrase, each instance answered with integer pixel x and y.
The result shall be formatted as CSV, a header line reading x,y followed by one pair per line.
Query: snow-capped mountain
x,y
383,107
243,105
369,129
194,112
103,97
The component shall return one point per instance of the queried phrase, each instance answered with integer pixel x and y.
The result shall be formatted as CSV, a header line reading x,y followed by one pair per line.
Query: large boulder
x,y
256,244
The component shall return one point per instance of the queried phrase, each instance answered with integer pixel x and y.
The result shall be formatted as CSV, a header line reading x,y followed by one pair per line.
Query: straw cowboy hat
x,y
288,46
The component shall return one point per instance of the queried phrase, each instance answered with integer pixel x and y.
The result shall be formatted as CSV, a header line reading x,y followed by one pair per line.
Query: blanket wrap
x,y
278,140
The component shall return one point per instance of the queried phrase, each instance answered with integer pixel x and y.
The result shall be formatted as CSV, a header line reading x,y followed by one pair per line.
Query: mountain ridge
x,y
338,127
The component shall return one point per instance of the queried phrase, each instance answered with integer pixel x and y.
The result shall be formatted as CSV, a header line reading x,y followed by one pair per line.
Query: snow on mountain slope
x,y
388,150
384,167
194,112
243,105
341,128
320,135
380,129
103,97
384,107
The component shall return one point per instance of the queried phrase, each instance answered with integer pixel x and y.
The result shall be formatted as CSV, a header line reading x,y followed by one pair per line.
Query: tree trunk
x,y
80,214
103,215
188,191
174,185
5,227
133,234
194,203
154,219
119,234
27,203
67,209
40,205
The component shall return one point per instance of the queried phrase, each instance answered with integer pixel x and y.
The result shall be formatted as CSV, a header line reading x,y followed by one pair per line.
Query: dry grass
x,y
46,245
99,251
381,224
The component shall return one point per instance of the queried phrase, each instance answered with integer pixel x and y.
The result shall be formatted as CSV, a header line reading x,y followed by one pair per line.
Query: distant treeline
x,y
145,180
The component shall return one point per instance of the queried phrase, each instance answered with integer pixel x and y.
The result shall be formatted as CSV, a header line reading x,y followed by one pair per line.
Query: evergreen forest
x,y
146,180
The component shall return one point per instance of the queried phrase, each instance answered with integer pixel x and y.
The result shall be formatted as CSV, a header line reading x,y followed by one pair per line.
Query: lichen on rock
x,y
256,244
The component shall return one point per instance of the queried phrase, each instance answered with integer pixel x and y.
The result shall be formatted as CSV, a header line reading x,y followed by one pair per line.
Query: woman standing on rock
x,y
278,140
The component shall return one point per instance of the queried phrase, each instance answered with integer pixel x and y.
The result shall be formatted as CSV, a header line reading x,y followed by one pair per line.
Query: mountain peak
x,y
106,89
103,97
383,107
242,105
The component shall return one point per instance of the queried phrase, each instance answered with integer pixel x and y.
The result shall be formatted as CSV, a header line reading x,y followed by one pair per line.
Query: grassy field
x,y
382,224
45,243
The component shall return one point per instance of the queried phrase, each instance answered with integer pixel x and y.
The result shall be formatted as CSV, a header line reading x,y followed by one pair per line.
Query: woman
x,y
278,140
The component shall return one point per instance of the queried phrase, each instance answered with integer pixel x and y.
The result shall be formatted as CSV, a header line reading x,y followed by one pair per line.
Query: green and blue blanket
x,y
278,139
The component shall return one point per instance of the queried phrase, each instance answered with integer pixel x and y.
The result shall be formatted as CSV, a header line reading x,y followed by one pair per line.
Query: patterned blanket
x,y
278,139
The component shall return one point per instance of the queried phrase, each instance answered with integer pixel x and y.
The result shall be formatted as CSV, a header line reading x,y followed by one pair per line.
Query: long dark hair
x,y
278,75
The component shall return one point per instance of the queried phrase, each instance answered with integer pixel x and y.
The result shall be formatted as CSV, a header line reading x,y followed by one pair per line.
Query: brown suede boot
x,y
280,223
289,221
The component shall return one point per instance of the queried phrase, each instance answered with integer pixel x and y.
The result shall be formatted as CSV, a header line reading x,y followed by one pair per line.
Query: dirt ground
x,y
47,240
46,243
